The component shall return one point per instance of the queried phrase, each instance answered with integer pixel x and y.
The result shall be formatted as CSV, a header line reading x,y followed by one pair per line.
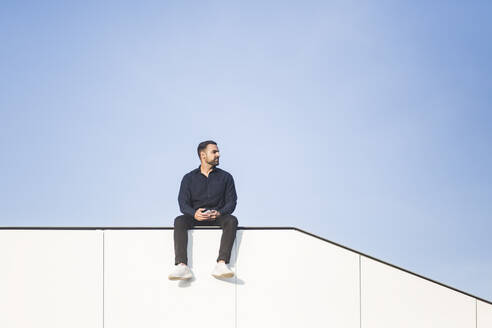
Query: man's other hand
x,y
199,216
214,214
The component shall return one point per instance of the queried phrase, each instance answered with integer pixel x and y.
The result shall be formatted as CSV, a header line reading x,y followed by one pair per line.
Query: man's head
x,y
208,152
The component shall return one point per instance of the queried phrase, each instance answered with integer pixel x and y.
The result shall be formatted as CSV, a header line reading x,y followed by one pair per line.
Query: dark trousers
x,y
182,223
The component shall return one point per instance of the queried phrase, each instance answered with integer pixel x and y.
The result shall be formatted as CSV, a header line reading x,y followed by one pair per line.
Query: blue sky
x,y
367,123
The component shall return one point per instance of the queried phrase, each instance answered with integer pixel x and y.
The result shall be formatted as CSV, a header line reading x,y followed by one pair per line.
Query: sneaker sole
x,y
225,275
178,278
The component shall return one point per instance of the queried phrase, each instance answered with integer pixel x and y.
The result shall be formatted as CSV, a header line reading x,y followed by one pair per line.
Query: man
x,y
207,196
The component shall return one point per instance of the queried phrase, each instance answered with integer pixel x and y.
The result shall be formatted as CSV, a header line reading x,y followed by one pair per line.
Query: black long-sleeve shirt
x,y
217,192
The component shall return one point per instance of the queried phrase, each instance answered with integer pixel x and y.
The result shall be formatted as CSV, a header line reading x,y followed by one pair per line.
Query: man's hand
x,y
199,216
214,214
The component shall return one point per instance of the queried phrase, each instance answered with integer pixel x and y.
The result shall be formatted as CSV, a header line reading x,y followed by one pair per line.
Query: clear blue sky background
x,y
367,123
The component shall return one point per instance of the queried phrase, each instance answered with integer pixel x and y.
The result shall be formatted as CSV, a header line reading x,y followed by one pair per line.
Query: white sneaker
x,y
222,271
180,272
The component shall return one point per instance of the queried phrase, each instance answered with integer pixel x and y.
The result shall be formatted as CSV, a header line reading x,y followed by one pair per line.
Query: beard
x,y
214,162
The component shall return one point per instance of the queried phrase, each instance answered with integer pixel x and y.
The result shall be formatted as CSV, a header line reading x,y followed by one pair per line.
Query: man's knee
x,y
231,220
180,222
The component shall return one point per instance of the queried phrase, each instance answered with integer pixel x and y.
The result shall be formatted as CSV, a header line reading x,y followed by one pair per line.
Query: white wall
x,y
51,278
139,294
54,278
290,279
484,315
395,298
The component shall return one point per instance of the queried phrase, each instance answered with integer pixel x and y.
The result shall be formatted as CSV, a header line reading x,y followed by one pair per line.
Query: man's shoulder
x,y
224,172
190,173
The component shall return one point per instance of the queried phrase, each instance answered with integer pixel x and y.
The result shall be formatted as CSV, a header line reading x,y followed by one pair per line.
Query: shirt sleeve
x,y
230,197
184,198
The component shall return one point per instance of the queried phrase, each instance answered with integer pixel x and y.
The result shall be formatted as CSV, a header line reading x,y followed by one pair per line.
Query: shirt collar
x,y
198,170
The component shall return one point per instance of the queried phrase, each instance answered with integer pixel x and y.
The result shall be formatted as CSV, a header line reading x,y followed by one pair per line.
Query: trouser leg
x,y
228,224
181,225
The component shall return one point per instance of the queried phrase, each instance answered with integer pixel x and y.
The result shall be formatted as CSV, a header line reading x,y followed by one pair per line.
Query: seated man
x,y
207,196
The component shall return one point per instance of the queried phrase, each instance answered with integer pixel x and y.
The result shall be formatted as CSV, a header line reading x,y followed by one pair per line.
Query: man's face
x,y
212,154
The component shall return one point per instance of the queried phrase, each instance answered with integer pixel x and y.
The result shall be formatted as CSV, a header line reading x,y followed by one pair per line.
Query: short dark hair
x,y
204,145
